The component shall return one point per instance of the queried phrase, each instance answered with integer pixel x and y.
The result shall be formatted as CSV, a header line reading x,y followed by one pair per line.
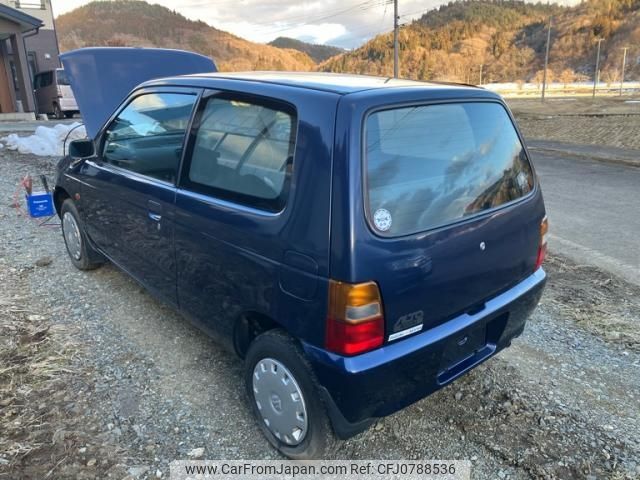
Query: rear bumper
x,y
375,384
68,104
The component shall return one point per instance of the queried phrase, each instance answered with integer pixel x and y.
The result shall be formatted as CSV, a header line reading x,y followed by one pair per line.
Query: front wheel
x,y
284,396
82,255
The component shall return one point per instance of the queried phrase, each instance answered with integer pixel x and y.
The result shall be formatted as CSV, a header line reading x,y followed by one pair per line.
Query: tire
x,y
57,113
81,253
277,348
68,114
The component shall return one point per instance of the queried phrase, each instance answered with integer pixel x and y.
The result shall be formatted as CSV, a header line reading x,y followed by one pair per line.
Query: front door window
x,y
147,136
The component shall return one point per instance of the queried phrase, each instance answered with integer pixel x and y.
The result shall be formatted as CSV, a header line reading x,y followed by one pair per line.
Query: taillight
x,y
542,246
355,323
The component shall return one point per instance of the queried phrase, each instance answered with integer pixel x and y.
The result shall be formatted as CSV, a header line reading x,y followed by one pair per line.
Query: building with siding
x,y
28,45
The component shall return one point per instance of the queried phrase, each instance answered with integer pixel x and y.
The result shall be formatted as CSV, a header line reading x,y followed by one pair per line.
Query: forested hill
x,y
139,24
318,53
506,39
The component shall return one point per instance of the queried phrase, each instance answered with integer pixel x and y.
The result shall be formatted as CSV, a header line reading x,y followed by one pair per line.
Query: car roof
x,y
329,82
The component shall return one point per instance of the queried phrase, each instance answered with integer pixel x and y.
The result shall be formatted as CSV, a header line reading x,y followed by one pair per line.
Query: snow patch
x,y
45,141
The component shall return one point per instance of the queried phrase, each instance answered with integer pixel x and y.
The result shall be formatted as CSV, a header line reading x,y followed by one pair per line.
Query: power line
x,y
359,6
267,28
364,32
416,12
384,14
362,6
270,28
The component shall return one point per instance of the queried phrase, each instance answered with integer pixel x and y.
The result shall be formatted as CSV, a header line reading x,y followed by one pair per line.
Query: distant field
x,y
607,121
515,90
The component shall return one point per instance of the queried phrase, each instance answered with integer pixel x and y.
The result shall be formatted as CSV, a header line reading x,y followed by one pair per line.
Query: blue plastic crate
x,y
40,204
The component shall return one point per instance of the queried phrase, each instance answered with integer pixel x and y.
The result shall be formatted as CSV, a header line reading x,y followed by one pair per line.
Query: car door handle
x,y
154,210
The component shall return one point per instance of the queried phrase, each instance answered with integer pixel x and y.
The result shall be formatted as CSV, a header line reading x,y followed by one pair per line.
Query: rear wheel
x,y
82,255
284,397
68,114
57,113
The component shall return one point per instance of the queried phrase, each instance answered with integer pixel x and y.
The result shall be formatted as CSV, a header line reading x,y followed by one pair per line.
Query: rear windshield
x,y
427,166
61,77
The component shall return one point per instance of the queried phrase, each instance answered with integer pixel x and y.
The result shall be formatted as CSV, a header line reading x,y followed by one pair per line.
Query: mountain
x,y
505,39
502,39
138,24
318,53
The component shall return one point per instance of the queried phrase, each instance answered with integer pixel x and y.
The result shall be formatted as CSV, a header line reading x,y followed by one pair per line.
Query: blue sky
x,y
345,23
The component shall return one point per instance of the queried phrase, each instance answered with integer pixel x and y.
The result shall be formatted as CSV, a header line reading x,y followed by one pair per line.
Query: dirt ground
x,y
100,380
596,300
571,106
608,121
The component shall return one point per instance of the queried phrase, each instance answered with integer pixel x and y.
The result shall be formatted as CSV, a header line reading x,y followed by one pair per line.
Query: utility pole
x,y
596,73
624,64
481,67
546,61
396,52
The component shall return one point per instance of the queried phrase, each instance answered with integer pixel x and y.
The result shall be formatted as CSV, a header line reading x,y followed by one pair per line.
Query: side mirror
x,y
81,149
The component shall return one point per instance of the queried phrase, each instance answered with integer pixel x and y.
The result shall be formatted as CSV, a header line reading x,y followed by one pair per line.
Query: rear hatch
x,y
64,87
452,211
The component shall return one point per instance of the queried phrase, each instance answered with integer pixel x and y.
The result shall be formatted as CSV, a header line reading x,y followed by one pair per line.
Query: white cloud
x,y
322,33
346,23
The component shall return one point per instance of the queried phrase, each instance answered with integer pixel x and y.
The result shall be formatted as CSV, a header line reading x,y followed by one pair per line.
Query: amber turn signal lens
x,y
355,323
542,246
354,303
544,228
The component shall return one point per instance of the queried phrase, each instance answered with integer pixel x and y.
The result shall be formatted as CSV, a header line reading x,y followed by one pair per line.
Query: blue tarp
x,y
102,77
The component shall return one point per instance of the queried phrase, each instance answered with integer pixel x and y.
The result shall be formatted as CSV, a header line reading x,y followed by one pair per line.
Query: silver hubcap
x,y
72,235
280,401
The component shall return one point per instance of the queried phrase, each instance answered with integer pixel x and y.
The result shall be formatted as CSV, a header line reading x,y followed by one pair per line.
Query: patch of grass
x,y
35,368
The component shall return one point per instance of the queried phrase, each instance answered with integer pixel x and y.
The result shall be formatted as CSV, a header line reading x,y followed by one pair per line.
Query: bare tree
x,y
567,76
610,76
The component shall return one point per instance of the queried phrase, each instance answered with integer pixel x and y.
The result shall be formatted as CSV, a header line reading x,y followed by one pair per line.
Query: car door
x,y
48,92
65,94
38,84
129,187
229,221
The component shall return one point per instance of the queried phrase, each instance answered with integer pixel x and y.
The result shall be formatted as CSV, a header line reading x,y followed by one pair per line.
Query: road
x,y
593,211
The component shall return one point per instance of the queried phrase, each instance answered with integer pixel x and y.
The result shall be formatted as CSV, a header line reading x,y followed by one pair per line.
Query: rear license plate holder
x,y
463,345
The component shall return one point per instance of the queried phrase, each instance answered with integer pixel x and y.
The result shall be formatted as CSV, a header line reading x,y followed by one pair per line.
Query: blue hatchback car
x,y
360,242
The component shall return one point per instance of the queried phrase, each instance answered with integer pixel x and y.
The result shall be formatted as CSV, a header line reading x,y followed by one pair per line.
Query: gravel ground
x,y
142,387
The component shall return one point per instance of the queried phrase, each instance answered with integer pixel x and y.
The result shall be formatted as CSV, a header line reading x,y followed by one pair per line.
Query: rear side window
x,y
61,77
243,152
428,166
46,79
